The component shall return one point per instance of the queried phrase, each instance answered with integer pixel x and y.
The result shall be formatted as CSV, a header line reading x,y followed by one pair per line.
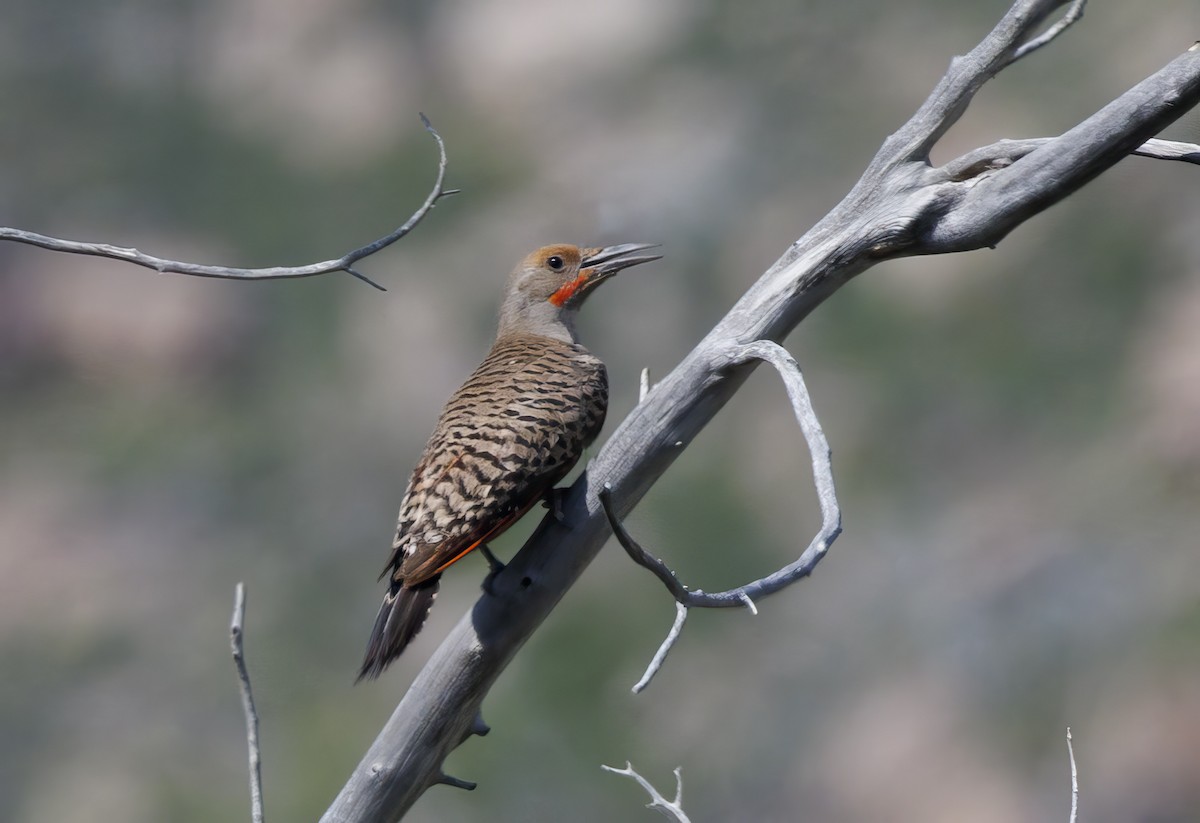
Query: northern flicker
x,y
513,430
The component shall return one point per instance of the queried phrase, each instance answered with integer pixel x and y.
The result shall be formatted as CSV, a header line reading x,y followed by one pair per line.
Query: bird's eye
x,y
555,262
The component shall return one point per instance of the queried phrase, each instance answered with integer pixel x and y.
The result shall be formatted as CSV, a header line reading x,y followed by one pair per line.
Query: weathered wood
x,y
901,206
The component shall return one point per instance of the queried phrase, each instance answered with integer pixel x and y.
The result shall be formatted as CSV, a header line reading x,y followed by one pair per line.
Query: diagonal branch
x,y
901,206
162,265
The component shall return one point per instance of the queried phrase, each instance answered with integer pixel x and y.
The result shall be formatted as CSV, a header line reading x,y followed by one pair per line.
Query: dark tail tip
x,y
400,617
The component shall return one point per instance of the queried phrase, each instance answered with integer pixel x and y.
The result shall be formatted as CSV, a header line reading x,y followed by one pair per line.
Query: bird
x,y
504,439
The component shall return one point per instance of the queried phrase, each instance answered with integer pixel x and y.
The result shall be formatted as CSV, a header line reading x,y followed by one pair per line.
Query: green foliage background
x,y
1016,433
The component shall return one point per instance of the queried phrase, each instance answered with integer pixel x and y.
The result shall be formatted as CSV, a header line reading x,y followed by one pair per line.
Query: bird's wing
x,y
486,465
475,498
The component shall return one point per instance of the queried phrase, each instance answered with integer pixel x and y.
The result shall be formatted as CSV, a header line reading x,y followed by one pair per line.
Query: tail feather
x,y
400,617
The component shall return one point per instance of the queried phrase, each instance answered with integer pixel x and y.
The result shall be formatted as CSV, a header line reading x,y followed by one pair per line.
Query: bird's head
x,y
547,288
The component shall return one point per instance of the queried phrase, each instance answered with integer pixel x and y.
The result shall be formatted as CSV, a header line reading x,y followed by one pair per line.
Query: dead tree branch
x,y
901,206
1074,779
660,656
668,808
344,263
236,635
1071,16
1004,153
748,595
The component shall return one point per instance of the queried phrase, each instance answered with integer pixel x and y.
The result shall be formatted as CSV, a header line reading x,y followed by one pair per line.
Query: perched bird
x,y
513,430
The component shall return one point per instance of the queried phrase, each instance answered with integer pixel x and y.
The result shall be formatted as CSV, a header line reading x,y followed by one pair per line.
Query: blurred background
x,y
1016,432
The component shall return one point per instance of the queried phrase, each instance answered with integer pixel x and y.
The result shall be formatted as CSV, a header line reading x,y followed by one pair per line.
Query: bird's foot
x,y
496,567
492,560
554,502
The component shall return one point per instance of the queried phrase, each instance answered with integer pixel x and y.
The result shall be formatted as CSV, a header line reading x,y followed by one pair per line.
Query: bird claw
x,y
496,567
554,502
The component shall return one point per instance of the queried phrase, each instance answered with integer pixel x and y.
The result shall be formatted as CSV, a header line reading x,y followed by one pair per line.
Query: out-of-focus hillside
x,y
1016,433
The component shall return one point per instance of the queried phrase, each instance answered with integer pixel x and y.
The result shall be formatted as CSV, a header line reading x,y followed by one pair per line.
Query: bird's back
x,y
516,426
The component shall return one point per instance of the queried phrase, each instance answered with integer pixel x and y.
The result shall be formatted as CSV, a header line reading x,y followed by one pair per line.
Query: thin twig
x,y
669,808
239,660
1074,780
162,265
1068,19
455,782
1003,153
642,557
660,656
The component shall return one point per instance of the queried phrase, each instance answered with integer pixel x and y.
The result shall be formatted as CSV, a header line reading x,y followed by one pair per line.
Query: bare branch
x,y
831,525
660,656
456,782
1071,16
980,212
1074,779
235,642
901,206
641,556
1169,150
669,808
822,465
162,265
1003,153
967,74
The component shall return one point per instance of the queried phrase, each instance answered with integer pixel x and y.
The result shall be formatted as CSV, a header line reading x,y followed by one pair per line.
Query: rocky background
x,y
1016,432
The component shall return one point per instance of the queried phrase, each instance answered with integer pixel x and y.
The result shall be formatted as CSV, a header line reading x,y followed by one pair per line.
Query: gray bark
x,y
901,206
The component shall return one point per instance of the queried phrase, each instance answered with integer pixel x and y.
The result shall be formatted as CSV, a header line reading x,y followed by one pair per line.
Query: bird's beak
x,y
597,266
600,264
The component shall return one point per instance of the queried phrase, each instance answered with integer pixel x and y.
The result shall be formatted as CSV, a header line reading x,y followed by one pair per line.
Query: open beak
x,y
597,266
600,264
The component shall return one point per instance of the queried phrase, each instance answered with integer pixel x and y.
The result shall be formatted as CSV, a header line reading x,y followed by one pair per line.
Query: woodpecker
x,y
513,430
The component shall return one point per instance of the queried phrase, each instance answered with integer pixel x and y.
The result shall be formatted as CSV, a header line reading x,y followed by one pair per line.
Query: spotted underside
x,y
513,430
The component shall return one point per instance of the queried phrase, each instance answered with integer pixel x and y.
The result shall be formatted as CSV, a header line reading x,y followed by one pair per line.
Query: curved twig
x,y
831,518
236,634
162,265
660,656
1071,16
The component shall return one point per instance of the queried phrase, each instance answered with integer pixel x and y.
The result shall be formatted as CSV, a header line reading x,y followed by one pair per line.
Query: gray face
x,y
547,288
549,273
